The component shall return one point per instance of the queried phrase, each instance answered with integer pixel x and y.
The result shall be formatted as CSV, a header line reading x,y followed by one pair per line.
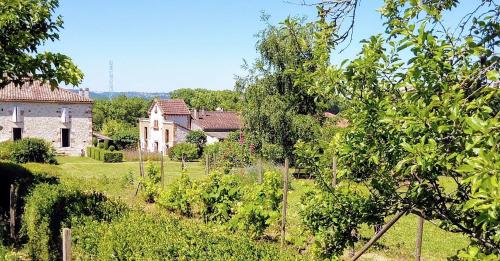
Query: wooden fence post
x,y
183,166
420,232
261,171
285,196
334,171
66,244
12,211
162,171
207,168
141,166
378,235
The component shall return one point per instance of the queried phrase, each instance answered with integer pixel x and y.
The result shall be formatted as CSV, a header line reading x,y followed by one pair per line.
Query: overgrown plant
x,y
151,183
179,197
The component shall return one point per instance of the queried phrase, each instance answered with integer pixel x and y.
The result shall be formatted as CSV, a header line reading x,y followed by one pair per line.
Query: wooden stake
x,y
141,166
182,164
285,195
162,171
334,171
420,232
12,211
378,235
207,170
66,244
261,171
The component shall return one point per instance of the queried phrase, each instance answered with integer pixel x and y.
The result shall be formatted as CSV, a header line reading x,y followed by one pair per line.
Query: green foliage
x,y
227,155
278,109
142,236
100,145
422,106
124,135
218,194
32,150
260,207
179,197
273,152
209,99
184,151
121,109
107,156
94,141
6,149
150,184
199,138
49,208
111,148
24,26
105,144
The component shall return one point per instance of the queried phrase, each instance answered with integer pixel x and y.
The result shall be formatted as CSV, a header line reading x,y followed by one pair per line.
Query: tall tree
x,y
24,26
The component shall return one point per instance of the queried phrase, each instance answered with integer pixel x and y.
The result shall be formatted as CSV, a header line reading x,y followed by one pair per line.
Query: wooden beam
x,y
378,235
12,211
420,232
66,244
285,196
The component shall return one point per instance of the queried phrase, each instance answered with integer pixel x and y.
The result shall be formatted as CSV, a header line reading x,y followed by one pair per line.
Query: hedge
x,y
49,208
144,236
104,155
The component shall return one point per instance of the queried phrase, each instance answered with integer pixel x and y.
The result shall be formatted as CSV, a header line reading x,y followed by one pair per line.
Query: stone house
x,y
216,124
168,123
60,116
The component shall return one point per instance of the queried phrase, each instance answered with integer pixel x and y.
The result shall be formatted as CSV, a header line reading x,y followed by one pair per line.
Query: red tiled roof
x,y
218,121
172,107
38,92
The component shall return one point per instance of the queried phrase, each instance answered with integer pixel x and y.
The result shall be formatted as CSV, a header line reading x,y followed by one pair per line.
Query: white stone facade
x,y
47,120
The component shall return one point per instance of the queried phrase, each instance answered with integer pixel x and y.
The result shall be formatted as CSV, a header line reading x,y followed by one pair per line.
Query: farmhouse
x,y
216,124
59,116
169,122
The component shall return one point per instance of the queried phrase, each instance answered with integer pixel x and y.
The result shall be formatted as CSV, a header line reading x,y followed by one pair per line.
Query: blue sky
x,y
159,45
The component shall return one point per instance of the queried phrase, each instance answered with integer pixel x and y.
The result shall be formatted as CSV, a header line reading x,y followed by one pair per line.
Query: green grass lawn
x,y
114,180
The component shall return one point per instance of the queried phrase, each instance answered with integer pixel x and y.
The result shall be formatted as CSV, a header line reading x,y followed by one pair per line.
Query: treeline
x,y
209,99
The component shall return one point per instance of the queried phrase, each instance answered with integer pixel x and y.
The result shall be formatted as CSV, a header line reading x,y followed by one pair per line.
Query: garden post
x,y
12,211
162,171
420,232
207,168
334,171
285,195
66,244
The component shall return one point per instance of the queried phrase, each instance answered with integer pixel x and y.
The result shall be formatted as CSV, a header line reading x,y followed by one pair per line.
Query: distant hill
x,y
145,95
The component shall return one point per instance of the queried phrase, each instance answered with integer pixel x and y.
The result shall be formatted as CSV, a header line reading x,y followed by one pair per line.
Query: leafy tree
x,y
184,151
209,99
276,103
24,26
123,134
198,138
423,111
120,108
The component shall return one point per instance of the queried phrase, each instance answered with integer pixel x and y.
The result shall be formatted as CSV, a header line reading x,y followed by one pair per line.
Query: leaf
x,y
492,75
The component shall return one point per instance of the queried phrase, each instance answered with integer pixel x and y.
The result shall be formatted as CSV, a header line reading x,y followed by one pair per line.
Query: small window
x,y
65,138
64,115
17,133
145,133
167,138
156,124
16,114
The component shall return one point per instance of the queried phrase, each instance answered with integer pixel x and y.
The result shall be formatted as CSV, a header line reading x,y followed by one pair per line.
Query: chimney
x,y
86,93
80,92
195,114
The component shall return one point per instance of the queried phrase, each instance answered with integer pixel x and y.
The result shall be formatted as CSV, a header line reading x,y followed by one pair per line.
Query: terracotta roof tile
x,y
218,121
38,92
173,107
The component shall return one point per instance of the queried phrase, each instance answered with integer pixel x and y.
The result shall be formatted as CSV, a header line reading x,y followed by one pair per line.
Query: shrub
x,y
32,150
186,151
111,148
218,194
199,138
104,155
5,149
227,155
100,145
49,208
179,196
94,141
105,144
124,135
273,152
151,188
260,207
142,236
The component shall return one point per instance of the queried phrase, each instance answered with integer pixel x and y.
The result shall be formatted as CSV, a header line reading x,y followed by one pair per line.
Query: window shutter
x,y
64,115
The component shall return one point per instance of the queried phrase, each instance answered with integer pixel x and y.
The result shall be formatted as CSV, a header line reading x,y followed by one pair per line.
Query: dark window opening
x,y
167,138
65,138
145,133
16,133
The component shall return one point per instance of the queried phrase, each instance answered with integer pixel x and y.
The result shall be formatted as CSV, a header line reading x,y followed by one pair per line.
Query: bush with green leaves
x,y
199,138
32,150
6,149
124,135
217,196
179,196
227,155
151,183
184,151
260,207
104,155
49,208
143,236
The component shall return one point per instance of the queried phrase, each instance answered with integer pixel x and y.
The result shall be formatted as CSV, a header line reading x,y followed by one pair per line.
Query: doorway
x,y
17,133
65,138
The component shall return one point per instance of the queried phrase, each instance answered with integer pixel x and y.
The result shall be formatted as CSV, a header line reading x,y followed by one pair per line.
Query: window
x,y
16,114
156,146
167,138
65,139
145,133
64,115
156,124
16,133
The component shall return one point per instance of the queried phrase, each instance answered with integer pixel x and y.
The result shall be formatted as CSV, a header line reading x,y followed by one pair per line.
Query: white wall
x,y
43,120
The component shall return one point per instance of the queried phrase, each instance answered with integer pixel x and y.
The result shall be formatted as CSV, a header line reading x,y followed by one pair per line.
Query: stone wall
x,y
44,120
